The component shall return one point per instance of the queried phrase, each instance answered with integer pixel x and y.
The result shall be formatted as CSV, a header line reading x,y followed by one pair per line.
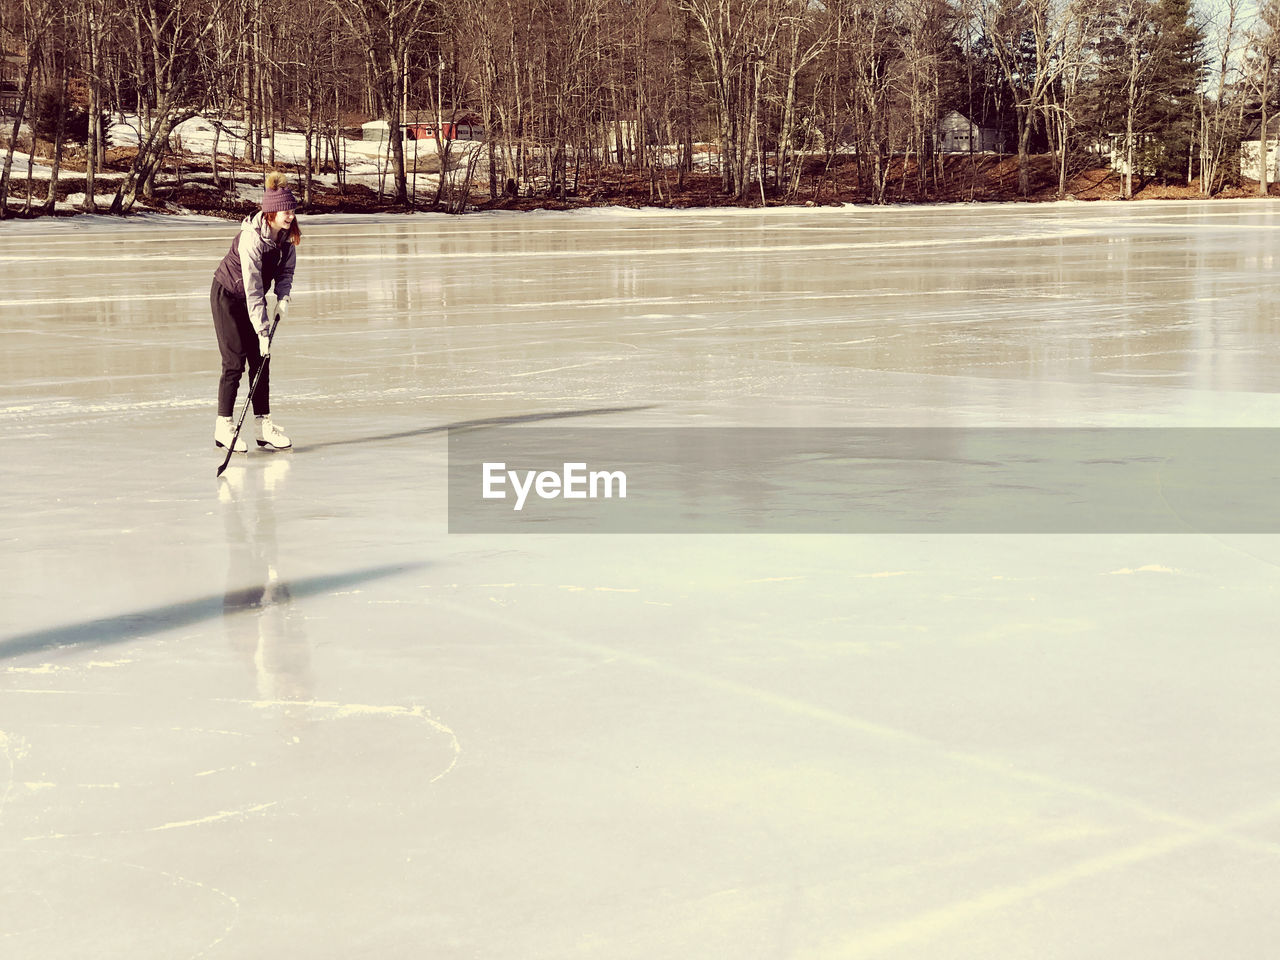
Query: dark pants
x,y
238,343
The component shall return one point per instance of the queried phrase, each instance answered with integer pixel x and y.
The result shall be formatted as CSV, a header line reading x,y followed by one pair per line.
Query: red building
x,y
466,127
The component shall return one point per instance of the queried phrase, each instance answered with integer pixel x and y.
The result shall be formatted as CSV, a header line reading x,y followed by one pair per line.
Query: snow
x,y
365,161
289,714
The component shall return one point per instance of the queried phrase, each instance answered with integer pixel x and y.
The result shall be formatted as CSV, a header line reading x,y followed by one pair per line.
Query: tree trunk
x,y
150,155
306,182
95,108
1024,152
1262,137
269,96
213,156
36,117
1129,158
59,134
33,54
391,87
1263,172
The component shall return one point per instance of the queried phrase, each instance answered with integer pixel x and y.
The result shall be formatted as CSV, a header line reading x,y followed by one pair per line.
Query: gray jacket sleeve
x,y
251,269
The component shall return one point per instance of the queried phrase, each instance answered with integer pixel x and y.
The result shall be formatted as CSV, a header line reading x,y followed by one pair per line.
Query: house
x,y
956,133
1146,151
620,135
11,69
1249,149
421,125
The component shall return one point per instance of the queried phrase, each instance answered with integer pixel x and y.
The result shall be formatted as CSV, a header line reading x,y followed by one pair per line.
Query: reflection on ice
x,y
257,608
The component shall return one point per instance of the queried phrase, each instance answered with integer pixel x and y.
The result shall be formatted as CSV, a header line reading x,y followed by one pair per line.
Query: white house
x,y
1249,152
956,133
1145,152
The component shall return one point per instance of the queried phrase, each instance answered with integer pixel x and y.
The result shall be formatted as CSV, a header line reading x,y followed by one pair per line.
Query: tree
x,y
737,34
1219,118
806,33
1029,39
1178,74
1263,62
34,19
870,28
169,40
94,25
923,43
387,31
1065,96
1150,67
58,101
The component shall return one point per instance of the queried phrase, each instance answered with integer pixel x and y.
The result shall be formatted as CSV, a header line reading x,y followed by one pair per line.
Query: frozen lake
x,y
287,713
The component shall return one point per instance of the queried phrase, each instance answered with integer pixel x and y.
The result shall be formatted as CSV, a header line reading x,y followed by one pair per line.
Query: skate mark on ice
x,y
993,765
174,879
220,816
342,711
12,750
569,366
934,923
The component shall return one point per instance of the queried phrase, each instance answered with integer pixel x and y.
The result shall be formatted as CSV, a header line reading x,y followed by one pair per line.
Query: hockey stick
x,y
231,447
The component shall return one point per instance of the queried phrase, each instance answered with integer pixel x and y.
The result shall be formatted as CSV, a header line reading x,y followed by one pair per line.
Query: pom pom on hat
x,y
278,195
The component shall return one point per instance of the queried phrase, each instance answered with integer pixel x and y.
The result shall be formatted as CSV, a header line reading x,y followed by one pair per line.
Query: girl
x,y
262,254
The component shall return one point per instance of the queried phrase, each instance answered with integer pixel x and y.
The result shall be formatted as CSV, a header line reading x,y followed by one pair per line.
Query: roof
x,y
459,115
1252,127
955,116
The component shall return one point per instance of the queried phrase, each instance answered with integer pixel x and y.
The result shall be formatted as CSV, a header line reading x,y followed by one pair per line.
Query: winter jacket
x,y
259,257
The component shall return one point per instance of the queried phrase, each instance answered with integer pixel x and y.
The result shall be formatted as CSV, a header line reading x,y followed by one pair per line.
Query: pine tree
x,y
1150,64
1170,117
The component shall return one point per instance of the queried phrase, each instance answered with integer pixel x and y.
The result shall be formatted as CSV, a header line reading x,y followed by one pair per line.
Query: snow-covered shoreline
x,y
365,165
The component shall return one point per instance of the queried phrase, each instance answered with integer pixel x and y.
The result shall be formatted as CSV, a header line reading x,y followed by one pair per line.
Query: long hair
x,y
294,235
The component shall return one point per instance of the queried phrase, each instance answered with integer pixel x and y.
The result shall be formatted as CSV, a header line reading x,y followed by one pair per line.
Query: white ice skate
x,y
223,430
270,435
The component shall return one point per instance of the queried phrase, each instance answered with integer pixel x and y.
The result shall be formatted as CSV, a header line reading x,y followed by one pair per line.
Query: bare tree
x,y
1030,41
387,30
35,19
1263,59
64,51
924,46
870,29
315,50
171,38
1078,52
737,35
1219,117
488,31
95,23
807,32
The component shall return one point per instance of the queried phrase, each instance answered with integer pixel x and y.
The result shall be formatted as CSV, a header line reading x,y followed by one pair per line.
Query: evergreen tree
x,y
1150,64
1170,114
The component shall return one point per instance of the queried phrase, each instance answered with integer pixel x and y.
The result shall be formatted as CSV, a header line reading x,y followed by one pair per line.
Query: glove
x,y
282,308
264,342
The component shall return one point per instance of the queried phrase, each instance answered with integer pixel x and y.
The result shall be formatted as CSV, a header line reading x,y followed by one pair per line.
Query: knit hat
x,y
278,196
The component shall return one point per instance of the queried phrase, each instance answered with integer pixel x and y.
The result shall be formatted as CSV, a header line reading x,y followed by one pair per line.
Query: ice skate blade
x,y
266,445
222,446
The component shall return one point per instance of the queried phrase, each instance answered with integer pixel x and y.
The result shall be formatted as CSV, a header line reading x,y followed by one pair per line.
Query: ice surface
x,y
289,715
